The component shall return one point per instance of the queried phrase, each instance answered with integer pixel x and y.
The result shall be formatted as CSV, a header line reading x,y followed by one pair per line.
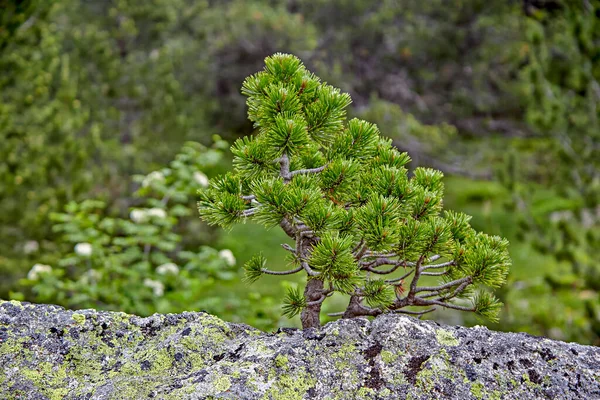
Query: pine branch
x,y
308,171
288,248
284,168
319,301
448,285
376,254
442,273
456,292
413,283
288,228
358,246
309,270
447,305
434,266
250,212
288,272
387,271
409,312
406,275
336,314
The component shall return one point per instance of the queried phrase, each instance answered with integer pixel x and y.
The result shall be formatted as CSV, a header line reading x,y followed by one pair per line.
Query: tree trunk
x,y
311,314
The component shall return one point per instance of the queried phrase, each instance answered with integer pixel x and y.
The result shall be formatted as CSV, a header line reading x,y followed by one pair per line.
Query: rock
x,y
47,352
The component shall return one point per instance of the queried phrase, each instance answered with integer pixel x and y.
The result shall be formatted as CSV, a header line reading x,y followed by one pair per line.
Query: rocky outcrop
x,y
47,352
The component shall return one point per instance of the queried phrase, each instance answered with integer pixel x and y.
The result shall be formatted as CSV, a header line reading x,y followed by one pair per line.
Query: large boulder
x,y
47,352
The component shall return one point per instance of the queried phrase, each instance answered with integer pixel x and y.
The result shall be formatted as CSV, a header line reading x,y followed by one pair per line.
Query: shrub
x,y
560,79
342,193
151,260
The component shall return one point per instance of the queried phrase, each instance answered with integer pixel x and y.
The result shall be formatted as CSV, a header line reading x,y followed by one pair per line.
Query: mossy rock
x,y
47,352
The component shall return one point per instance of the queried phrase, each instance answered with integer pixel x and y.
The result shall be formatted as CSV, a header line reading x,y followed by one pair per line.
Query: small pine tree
x,y
343,194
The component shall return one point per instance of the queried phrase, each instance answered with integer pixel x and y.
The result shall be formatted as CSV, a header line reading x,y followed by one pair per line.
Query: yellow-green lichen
x,y
221,384
13,302
446,338
290,386
49,380
528,381
281,361
425,380
343,361
477,390
78,318
388,357
365,393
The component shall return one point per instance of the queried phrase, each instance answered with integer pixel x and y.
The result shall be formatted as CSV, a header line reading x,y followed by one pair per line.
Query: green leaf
x,y
252,159
253,268
430,179
411,241
438,237
287,135
378,294
379,221
338,178
487,305
389,181
486,259
325,116
358,141
459,224
293,303
333,258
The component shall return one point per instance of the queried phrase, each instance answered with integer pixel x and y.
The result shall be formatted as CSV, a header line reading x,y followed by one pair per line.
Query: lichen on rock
x,y
47,352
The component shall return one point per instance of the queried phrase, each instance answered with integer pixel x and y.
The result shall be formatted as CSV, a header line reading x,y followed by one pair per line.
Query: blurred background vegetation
x,y
110,111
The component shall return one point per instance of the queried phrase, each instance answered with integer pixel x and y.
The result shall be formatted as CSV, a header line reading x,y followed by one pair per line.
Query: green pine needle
x,y
293,303
487,305
253,268
377,293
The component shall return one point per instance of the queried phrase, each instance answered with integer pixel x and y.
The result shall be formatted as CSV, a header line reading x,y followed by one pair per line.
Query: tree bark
x,y
311,314
356,309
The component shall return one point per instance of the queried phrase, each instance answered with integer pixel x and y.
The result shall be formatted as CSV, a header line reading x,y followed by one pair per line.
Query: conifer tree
x,y
361,225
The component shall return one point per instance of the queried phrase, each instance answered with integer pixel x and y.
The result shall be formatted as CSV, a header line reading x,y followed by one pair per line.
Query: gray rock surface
x,y
47,352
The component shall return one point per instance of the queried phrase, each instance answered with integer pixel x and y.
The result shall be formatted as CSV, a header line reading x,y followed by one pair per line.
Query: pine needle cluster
x,y
362,225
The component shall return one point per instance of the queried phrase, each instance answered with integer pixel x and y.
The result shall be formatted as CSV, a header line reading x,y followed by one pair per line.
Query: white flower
x,y
138,216
83,249
157,212
92,275
168,268
558,216
31,246
201,178
157,287
227,255
153,176
38,269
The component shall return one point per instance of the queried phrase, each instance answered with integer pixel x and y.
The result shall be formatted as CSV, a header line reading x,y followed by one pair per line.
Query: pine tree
x,y
343,194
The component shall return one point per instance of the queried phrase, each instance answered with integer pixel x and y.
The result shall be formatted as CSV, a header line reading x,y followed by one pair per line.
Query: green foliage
x,y
293,303
141,263
351,215
560,80
437,61
254,268
88,90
